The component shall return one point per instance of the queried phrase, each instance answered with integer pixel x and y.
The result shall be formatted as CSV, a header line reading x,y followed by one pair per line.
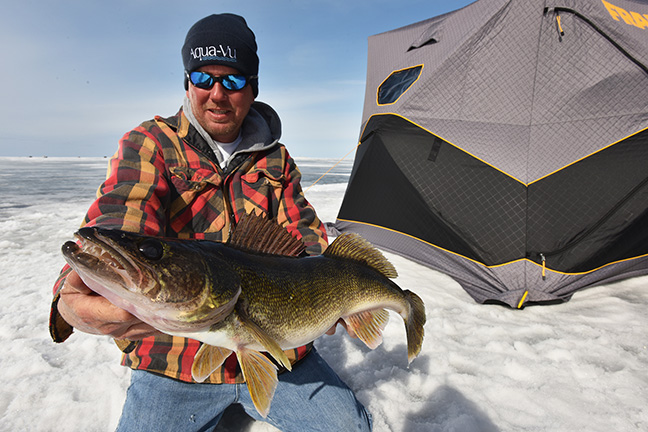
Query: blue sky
x,y
77,74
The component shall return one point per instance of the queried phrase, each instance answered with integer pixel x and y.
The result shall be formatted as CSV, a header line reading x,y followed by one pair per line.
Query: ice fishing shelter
x,y
506,144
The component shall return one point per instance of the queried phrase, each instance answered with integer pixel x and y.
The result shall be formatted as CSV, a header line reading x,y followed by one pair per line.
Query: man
x,y
194,175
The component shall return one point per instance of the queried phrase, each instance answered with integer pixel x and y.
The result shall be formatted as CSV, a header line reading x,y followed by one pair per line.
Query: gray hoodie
x,y
261,130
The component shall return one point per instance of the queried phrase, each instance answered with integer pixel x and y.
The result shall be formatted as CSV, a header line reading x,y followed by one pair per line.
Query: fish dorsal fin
x,y
256,233
352,246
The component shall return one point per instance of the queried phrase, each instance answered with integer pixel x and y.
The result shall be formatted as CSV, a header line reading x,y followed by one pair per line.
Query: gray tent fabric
x,y
506,144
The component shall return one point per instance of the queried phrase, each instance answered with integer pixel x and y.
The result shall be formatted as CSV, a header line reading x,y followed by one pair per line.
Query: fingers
x,y
136,331
350,331
91,313
74,282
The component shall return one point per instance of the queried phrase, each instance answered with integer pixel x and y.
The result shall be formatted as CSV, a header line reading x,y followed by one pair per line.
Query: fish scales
x,y
289,296
247,296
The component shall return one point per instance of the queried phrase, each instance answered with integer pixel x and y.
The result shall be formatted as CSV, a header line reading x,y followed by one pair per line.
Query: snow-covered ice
x,y
577,366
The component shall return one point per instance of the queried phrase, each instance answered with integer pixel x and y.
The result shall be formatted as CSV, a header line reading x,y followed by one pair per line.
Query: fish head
x,y
172,284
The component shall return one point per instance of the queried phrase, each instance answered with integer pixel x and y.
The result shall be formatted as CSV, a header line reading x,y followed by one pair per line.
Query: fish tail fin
x,y
368,326
414,323
207,360
261,378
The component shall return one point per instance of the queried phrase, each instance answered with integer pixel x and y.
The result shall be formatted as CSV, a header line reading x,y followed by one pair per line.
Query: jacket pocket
x,y
262,189
197,204
189,181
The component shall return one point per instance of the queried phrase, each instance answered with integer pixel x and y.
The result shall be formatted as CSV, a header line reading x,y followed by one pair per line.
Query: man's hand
x,y
91,313
331,331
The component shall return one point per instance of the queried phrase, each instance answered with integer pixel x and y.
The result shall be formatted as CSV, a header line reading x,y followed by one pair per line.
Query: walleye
x,y
249,295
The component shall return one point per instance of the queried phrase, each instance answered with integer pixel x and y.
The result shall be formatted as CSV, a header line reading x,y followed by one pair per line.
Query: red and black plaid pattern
x,y
165,181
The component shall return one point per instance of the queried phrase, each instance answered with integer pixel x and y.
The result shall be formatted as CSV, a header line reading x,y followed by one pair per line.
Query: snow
x,y
581,365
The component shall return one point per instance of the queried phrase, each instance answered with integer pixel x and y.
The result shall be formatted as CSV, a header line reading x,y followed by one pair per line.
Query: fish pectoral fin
x,y
269,344
207,360
260,376
368,326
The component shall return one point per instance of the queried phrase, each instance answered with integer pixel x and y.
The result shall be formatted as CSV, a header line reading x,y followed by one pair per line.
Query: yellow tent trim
x,y
431,133
589,155
493,166
541,266
406,90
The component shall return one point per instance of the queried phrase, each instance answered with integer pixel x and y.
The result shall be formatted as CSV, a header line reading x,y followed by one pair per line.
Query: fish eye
x,y
151,249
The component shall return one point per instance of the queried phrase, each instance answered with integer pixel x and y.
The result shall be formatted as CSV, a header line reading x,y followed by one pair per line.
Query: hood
x,y
261,129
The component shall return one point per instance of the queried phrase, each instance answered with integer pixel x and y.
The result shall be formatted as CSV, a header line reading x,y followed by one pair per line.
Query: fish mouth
x,y
105,258
111,270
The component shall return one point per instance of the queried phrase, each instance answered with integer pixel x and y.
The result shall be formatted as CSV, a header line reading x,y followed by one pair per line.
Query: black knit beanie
x,y
223,39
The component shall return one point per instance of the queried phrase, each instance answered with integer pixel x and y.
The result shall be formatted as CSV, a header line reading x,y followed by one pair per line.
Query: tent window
x,y
397,83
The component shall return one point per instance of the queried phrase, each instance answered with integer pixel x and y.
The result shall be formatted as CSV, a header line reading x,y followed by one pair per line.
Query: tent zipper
x,y
524,296
544,277
637,62
593,228
560,29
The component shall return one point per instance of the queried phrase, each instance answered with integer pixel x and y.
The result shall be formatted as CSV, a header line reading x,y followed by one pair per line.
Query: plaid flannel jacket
x,y
164,180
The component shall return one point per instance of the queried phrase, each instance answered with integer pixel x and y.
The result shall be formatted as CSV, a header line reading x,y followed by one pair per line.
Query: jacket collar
x,y
261,130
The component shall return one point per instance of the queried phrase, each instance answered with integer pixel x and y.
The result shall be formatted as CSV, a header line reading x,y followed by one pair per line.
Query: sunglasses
x,y
205,81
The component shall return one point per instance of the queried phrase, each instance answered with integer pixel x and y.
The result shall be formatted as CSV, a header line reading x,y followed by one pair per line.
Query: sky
x,y
78,74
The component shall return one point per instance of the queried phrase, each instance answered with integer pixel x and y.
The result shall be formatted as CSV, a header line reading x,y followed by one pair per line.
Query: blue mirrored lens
x,y
233,82
202,80
206,81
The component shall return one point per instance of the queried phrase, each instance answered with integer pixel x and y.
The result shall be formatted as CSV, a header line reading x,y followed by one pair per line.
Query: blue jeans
x,y
310,398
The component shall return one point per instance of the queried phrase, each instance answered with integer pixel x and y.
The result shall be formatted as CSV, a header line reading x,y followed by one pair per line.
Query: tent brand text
x,y
631,18
219,52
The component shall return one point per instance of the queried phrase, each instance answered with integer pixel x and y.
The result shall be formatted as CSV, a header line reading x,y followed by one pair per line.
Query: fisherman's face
x,y
220,111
